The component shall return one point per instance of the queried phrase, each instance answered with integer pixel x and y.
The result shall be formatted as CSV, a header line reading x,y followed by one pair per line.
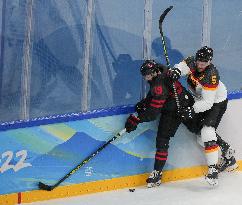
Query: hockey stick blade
x,y
163,15
46,187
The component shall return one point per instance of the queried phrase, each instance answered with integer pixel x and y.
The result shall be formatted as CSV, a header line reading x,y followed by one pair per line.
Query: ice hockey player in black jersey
x,y
159,100
210,96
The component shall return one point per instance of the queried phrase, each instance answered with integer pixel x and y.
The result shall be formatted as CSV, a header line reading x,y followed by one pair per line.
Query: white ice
x,y
186,192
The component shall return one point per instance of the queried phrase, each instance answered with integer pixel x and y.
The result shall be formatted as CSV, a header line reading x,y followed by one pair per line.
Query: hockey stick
x,y
162,17
46,187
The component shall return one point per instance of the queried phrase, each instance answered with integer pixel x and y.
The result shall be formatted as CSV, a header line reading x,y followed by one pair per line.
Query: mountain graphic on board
x,y
110,162
76,148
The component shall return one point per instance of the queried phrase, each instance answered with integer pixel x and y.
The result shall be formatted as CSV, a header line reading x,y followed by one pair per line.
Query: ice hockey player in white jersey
x,y
210,95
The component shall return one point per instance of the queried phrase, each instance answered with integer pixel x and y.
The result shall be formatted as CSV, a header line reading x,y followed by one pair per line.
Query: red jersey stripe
x,y
156,106
158,101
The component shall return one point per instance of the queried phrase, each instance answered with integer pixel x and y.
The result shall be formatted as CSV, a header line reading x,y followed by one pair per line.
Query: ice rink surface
x,y
186,192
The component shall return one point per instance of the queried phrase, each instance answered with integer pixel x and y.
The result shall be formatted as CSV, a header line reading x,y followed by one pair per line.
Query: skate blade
x,y
232,168
150,185
212,182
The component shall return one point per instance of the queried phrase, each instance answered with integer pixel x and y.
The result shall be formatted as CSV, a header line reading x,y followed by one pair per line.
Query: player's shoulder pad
x,y
210,78
190,61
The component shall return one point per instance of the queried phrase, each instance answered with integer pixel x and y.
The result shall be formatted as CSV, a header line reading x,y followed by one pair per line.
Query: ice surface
x,y
186,192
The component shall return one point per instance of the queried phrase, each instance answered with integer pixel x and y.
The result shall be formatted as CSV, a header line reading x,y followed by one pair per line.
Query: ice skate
x,y
212,175
154,179
228,165
227,161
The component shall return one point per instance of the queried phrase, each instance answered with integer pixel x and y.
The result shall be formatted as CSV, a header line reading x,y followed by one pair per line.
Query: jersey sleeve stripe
x,y
158,101
210,87
156,106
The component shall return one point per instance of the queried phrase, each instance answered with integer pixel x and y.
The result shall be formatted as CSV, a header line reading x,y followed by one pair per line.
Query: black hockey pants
x,y
210,118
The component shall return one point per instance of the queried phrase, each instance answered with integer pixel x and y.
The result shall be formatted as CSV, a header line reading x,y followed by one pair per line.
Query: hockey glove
x,y
131,123
174,74
187,113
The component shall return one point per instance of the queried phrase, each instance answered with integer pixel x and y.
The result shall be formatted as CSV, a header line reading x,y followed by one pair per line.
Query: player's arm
x,y
181,69
209,87
149,111
155,104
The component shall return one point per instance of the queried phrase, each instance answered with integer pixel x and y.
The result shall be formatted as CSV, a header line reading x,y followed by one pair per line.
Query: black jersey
x,y
161,97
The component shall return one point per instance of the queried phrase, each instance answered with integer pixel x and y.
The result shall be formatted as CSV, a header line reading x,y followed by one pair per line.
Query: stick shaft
x,y
162,17
86,160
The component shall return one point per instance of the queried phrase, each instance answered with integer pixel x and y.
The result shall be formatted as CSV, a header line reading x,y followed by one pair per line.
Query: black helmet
x,y
148,67
204,54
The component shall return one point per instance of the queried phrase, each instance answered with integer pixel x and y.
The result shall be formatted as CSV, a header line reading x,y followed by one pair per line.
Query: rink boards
x,y
46,153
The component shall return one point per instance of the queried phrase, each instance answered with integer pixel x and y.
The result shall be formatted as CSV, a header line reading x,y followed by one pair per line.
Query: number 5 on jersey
x,y
214,79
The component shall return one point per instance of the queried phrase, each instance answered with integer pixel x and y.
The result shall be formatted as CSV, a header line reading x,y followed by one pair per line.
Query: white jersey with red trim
x,y
205,86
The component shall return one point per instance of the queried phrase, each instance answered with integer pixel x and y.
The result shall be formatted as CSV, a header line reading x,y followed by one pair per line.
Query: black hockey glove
x,y
174,74
186,113
131,123
140,107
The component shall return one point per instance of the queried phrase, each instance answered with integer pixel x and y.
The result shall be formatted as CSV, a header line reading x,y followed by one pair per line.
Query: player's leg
x,y
168,125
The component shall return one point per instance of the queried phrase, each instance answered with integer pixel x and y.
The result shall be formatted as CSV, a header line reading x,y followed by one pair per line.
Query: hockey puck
x,y
131,190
